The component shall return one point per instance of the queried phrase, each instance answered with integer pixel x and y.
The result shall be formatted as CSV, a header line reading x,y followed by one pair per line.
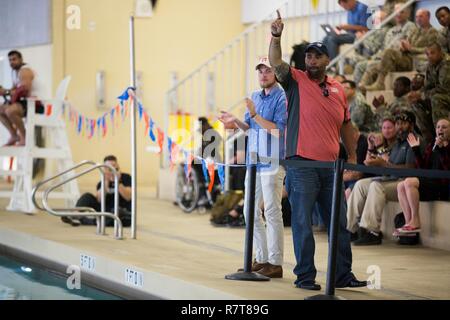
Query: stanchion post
x,y
334,233
250,217
247,274
133,133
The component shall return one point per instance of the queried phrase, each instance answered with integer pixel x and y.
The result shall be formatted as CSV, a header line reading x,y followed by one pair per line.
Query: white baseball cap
x,y
264,61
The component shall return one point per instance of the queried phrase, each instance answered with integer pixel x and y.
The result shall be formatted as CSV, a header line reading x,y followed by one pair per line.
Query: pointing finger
x,y
278,14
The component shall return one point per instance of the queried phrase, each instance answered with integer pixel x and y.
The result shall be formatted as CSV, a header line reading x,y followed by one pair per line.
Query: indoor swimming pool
x,y
24,281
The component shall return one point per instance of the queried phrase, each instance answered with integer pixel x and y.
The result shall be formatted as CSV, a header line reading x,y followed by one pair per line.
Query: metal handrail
x,y
41,183
368,34
118,228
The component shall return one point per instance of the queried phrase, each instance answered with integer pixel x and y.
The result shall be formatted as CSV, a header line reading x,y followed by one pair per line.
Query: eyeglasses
x,y
324,88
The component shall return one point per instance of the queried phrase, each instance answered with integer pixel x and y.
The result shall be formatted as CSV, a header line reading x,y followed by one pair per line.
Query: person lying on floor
x,y
94,202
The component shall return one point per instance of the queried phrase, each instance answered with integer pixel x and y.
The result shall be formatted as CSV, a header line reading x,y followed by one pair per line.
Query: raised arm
x,y
281,68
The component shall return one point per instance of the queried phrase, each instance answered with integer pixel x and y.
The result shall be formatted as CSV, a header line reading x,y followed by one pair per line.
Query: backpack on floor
x,y
406,239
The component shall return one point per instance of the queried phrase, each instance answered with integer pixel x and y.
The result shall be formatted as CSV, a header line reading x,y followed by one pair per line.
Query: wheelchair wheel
x,y
187,190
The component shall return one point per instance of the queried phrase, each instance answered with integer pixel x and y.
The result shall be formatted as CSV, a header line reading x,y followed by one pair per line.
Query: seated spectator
x,y
357,16
401,59
211,141
389,6
340,78
437,82
25,85
402,86
360,112
90,201
402,30
421,108
369,47
413,190
225,209
369,196
350,177
443,16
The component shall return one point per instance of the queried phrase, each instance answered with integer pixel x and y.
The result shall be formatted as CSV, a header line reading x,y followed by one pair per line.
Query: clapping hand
x,y
277,26
227,119
414,96
413,141
441,141
377,102
250,107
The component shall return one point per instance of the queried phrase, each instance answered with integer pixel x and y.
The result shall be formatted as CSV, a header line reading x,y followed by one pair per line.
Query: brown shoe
x,y
256,266
272,271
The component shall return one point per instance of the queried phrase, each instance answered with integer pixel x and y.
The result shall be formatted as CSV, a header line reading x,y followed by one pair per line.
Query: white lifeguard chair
x,y
56,147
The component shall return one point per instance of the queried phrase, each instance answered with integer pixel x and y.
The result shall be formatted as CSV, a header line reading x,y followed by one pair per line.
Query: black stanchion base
x,y
324,297
247,276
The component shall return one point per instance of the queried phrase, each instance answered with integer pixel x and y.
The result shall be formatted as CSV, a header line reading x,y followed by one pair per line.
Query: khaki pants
x,y
367,202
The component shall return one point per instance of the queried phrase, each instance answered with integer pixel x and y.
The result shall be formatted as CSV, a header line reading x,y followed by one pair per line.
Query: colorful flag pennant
x,y
211,171
205,171
150,131
221,173
160,139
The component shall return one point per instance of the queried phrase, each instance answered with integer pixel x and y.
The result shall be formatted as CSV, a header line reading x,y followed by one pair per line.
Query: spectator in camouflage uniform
x,y
402,30
421,108
389,6
402,86
370,46
360,112
437,82
402,59
443,16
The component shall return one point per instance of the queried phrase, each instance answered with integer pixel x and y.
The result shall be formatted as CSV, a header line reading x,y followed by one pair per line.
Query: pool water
x,y
19,281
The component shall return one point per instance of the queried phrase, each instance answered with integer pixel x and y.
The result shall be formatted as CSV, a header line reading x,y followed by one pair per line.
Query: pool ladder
x,y
83,211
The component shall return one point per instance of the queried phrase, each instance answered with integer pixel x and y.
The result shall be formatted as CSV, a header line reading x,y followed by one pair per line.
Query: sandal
x,y
409,229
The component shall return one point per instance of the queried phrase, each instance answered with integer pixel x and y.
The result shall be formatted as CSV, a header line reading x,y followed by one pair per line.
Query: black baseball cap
x,y
407,116
318,46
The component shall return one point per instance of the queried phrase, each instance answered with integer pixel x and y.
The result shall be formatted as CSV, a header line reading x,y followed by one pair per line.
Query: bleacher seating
x,y
435,223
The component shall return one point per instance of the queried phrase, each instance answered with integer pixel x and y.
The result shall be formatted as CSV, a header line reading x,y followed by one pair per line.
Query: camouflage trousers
x,y
364,66
394,60
391,61
440,106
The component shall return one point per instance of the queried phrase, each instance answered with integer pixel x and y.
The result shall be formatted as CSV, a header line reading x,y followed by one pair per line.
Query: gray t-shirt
x,y
402,153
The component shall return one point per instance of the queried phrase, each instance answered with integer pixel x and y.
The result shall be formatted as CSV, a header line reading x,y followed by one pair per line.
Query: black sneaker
x,y
368,239
72,221
354,236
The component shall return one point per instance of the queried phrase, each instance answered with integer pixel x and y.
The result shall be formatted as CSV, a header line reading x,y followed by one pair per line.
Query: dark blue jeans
x,y
305,186
333,43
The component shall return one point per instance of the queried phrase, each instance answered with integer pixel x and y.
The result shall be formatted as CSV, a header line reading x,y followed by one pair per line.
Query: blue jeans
x,y
317,216
333,43
305,186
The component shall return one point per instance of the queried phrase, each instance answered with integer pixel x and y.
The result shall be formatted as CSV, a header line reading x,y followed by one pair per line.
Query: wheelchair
x,y
192,191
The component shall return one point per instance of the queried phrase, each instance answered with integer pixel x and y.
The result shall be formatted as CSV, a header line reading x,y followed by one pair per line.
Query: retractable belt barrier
x,y
338,166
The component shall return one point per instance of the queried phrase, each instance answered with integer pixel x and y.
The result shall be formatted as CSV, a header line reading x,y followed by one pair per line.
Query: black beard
x,y
316,75
403,135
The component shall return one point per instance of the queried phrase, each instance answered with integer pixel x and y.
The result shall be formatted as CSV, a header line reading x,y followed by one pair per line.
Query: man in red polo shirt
x,y
318,116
